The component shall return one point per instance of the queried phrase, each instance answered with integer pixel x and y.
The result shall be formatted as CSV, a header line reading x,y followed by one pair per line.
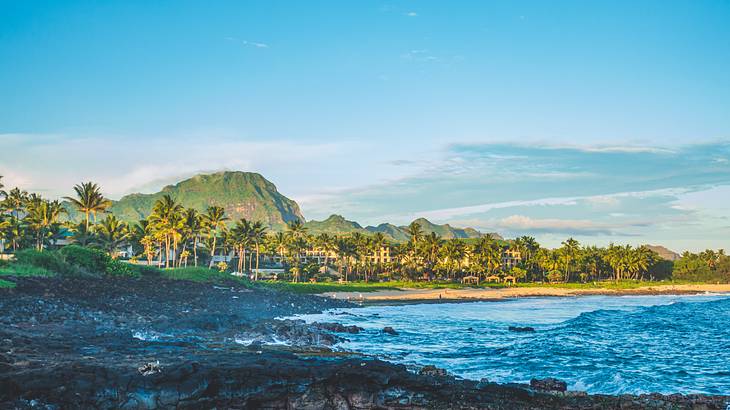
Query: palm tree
x,y
166,218
42,215
81,234
549,261
618,258
143,234
215,219
240,238
325,243
2,193
415,232
258,235
296,229
570,250
346,250
15,201
111,234
453,253
193,225
278,242
14,231
378,243
431,245
89,200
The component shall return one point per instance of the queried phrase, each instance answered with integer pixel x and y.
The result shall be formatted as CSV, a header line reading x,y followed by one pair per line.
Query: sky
x,y
604,121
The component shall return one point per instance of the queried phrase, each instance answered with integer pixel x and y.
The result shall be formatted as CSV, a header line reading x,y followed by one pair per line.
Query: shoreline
x,y
411,295
85,331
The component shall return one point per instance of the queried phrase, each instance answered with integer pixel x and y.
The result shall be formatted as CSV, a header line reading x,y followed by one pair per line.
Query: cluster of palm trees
x,y
172,234
28,220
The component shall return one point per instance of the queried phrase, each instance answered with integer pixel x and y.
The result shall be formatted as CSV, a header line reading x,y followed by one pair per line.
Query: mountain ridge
x,y
250,195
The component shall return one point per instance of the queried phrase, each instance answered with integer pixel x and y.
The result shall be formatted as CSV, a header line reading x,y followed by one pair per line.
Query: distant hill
x,y
446,231
242,194
251,196
337,224
664,253
389,230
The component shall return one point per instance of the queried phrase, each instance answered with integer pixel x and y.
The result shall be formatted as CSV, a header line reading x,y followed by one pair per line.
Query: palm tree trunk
x,y
195,250
167,251
257,263
212,250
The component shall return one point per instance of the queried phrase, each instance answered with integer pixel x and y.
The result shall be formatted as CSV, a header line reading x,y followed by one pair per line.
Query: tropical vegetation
x,y
173,236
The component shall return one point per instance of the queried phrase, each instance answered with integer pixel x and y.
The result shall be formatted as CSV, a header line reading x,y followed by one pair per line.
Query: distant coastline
x,y
410,295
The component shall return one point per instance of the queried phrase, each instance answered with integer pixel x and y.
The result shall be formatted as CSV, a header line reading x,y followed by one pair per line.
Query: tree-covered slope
x,y
446,231
389,230
334,225
242,194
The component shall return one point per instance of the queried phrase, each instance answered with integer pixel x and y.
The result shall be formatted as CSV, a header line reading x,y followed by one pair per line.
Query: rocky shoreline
x,y
155,343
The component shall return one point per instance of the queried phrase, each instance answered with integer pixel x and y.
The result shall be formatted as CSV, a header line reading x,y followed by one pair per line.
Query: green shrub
x,y
119,268
146,270
48,260
24,270
88,259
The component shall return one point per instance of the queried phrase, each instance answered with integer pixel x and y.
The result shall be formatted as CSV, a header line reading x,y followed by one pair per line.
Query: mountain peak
x,y
242,194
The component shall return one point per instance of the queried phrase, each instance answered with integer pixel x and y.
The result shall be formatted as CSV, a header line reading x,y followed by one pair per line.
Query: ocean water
x,y
600,344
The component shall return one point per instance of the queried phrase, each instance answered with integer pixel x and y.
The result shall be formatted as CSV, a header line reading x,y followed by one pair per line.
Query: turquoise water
x,y
600,344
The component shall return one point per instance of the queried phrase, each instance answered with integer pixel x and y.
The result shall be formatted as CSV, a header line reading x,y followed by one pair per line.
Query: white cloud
x,y
412,14
55,165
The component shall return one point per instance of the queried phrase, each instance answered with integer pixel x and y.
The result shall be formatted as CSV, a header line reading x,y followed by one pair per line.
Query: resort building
x,y
511,257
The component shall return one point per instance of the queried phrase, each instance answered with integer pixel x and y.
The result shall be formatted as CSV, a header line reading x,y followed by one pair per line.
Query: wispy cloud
x,y
248,43
411,14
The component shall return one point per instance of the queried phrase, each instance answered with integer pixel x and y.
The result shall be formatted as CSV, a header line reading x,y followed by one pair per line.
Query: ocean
x,y
599,344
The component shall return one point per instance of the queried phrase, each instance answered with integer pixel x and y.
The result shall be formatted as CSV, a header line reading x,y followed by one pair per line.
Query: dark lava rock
x,y
389,330
338,328
521,329
549,385
111,343
432,371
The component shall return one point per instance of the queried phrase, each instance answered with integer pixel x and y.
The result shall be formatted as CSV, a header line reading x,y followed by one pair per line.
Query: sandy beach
x,y
417,295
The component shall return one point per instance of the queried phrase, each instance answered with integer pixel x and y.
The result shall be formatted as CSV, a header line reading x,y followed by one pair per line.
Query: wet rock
x,y
80,354
525,329
338,328
150,368
549,385
389,330
434,371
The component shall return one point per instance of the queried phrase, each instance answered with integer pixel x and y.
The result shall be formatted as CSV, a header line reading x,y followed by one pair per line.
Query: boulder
x,y
521,329
338,328
430,370
389,330
549,385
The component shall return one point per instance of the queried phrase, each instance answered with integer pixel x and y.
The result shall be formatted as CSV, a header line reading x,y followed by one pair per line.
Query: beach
x,y
419,295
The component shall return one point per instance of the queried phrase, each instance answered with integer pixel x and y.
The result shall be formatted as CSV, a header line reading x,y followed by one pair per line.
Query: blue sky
x,y
607,121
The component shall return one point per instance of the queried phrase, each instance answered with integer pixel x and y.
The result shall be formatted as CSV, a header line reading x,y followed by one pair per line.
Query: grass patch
x,y
25,270
200,274
6,284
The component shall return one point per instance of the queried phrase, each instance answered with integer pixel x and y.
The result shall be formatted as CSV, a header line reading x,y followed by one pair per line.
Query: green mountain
x,y
335,224
242,194
446,231
389,230
251,196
